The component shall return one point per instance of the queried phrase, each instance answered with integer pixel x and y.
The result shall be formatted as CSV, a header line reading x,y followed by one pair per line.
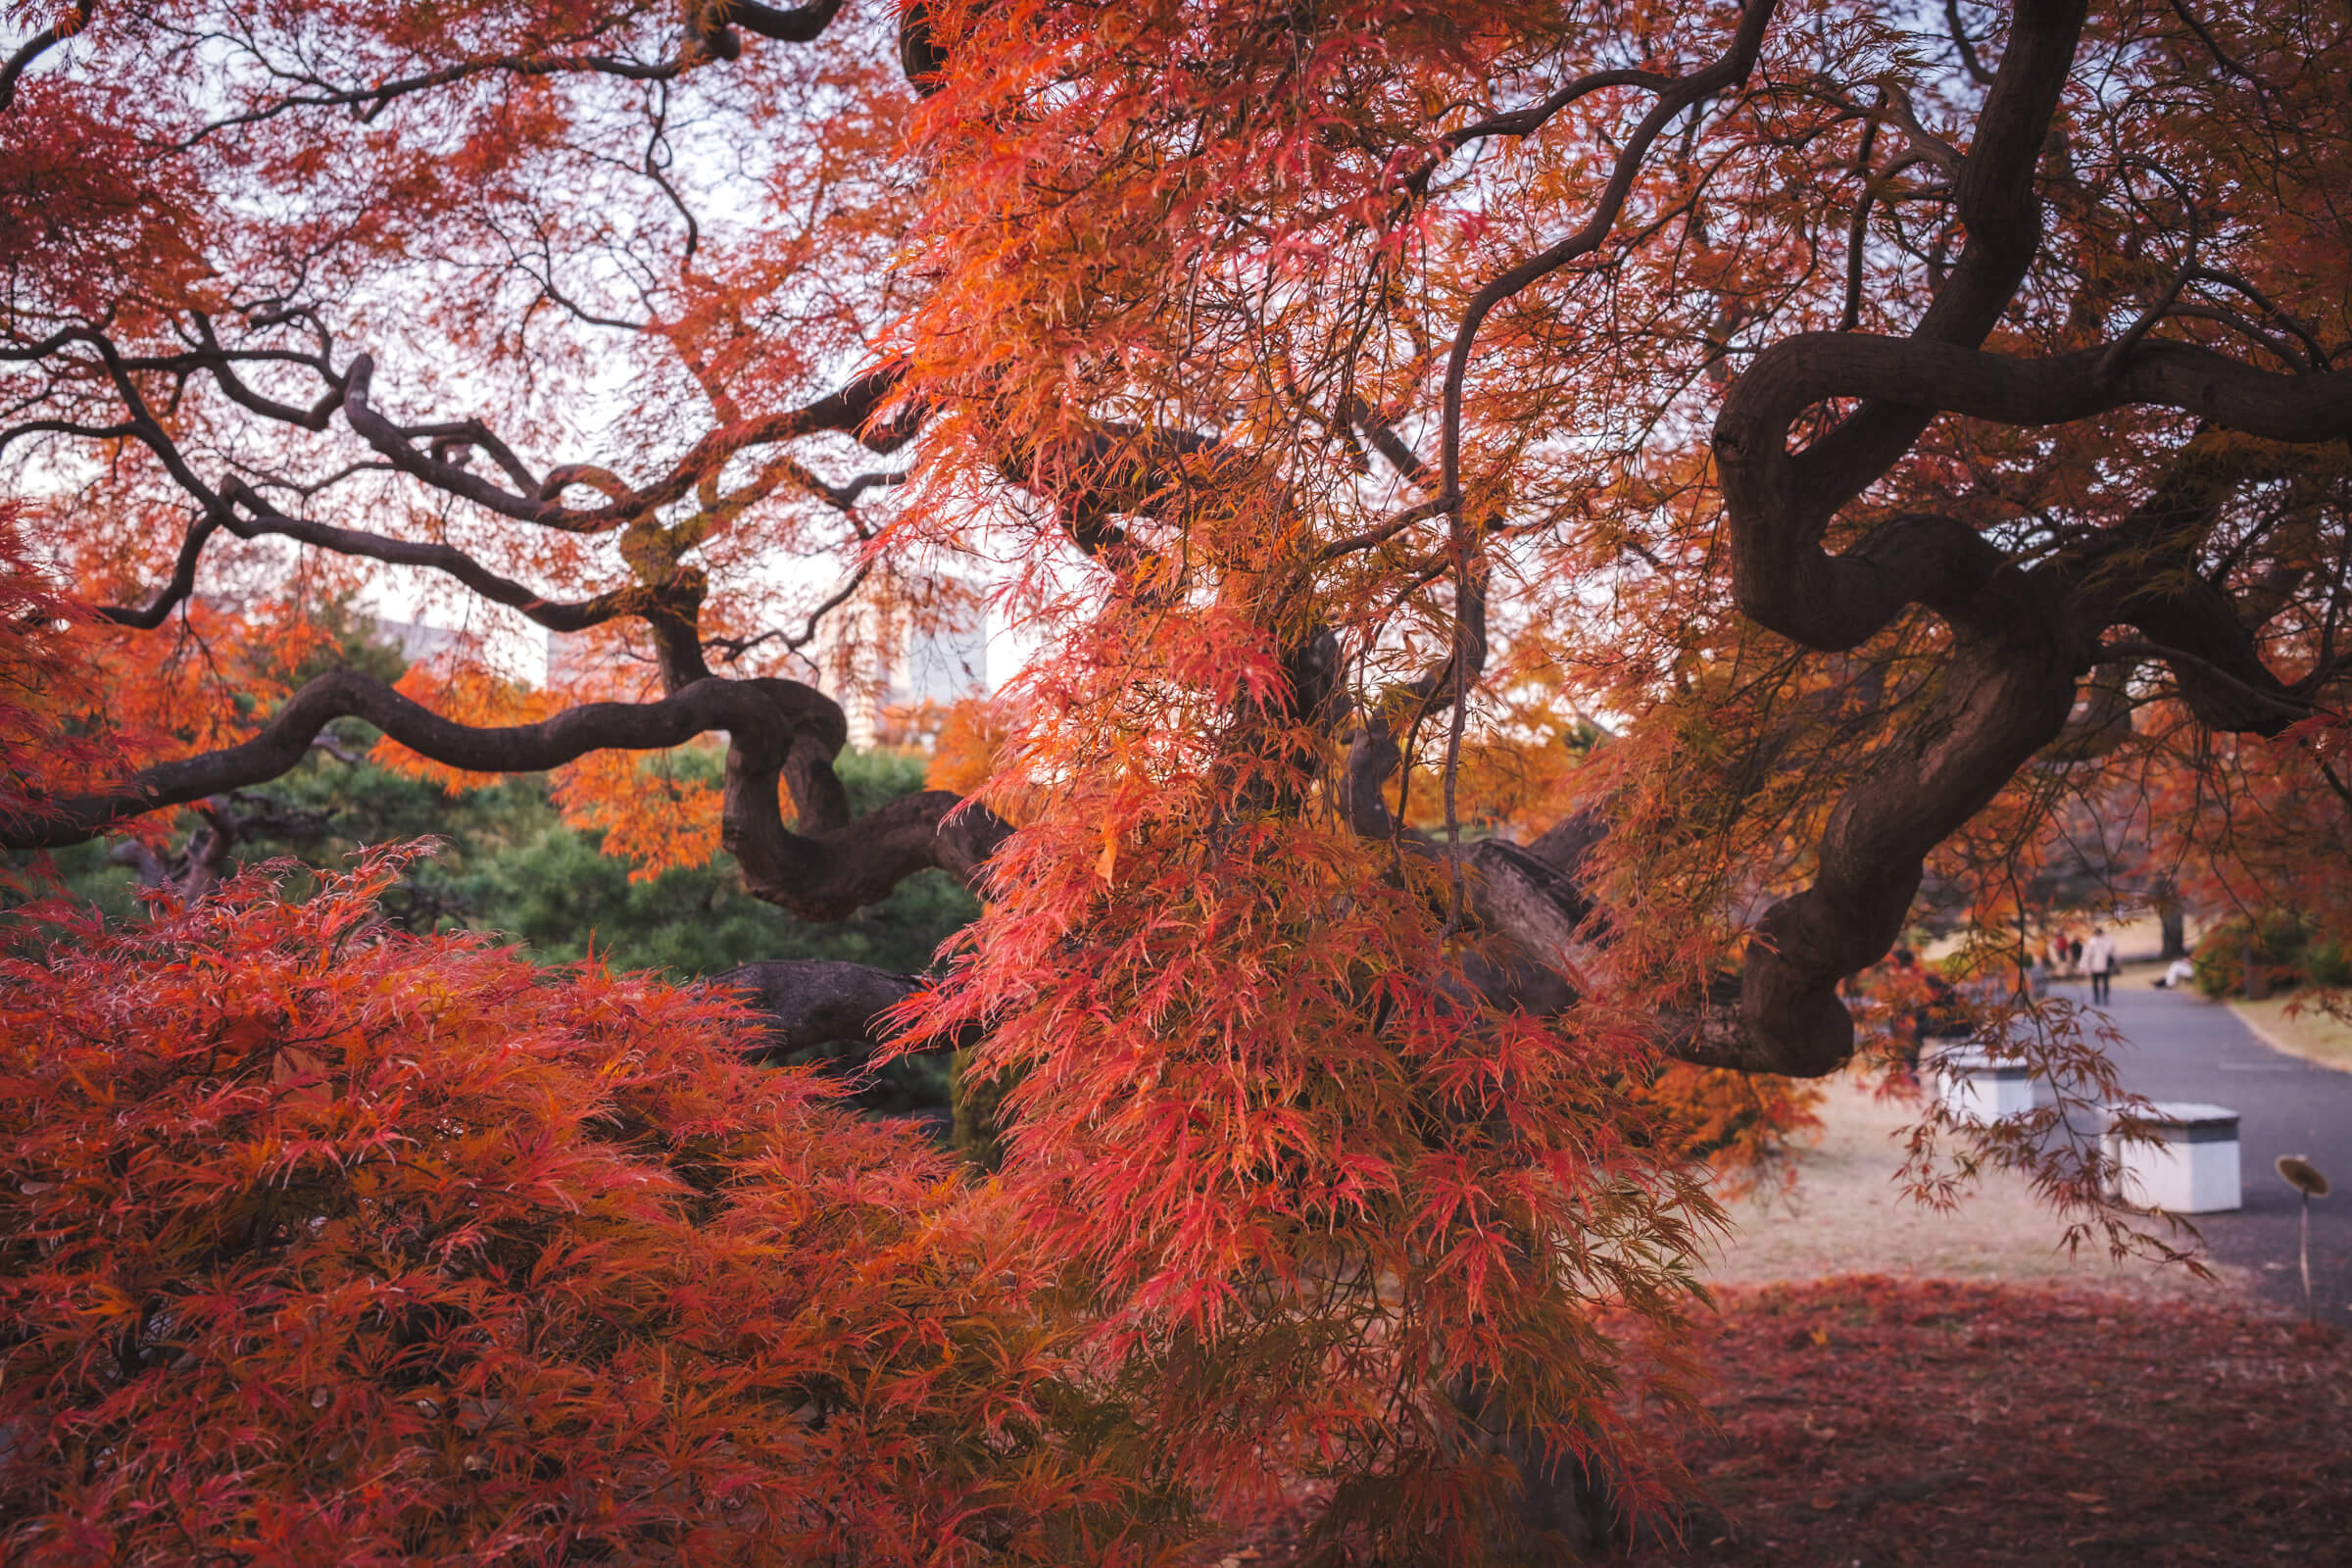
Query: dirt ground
x,y
1846,1216
1900,1386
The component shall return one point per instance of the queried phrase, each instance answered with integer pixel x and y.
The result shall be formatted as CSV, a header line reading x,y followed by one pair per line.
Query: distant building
x,y
570,656
875,655
416,641
945,666
872,657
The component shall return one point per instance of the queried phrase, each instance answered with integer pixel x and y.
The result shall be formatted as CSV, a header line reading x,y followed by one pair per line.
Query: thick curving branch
x,y
820,1002
1780,502
222,362
2007,691
436,454
795,25
432,454
2009,684
811,1003
827,866
762,719
2020,639
1994,199
183,582
40,44
1114,470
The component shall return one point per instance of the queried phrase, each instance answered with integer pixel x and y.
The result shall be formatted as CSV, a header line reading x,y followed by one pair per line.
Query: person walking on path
x,y
2098,958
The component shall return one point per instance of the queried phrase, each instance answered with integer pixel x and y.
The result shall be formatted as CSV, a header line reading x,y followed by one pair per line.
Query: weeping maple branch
x,y
708,33
1676,95
852,410
40,44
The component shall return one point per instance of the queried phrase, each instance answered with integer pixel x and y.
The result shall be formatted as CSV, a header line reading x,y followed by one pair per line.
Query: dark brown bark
x,y
826,867
37,45
2020,639
249,515
819,1002
852,410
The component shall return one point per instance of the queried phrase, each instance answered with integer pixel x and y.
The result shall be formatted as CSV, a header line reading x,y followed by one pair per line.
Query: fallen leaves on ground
x,y
1873,1421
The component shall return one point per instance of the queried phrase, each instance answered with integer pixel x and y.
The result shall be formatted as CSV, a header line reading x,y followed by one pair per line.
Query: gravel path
x,y
2184,1047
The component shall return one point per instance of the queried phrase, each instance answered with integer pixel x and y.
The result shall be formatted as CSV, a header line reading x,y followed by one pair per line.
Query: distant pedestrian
x,y
2074,955
2098,957
2177,974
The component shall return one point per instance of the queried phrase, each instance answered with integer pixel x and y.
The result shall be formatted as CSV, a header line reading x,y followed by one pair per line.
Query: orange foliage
x,y
49,693
469,696
2273,839
968,749
658,811
1743,1126
1158,283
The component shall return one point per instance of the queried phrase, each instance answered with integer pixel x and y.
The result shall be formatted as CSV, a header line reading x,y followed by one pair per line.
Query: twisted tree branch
x,y
777,730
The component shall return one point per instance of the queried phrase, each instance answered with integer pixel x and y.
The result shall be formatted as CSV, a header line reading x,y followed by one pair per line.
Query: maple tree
x,y
1356,397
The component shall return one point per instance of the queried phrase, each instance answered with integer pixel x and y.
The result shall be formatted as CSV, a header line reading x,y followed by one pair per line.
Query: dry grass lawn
x,y
2297,1025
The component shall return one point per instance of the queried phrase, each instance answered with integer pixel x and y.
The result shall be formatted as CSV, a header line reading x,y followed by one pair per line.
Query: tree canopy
x,y
1878,436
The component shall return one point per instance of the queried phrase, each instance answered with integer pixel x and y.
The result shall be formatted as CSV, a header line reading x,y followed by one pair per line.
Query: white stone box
x,y
1973,1086
2193,1166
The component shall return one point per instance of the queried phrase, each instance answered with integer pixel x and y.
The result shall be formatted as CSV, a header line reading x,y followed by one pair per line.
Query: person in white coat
x,y
2099,961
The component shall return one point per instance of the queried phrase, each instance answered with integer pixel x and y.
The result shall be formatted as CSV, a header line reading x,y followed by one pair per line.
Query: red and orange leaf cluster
x,y
312,1233
1338,1222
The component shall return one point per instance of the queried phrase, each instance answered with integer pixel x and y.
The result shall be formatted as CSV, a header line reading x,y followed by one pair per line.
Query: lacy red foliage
x,y
1740,1124
1347,397
1340,1224
315,1233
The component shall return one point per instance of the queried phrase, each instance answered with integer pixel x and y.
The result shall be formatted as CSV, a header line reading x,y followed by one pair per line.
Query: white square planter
x,y
2193,1170
1973,1086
